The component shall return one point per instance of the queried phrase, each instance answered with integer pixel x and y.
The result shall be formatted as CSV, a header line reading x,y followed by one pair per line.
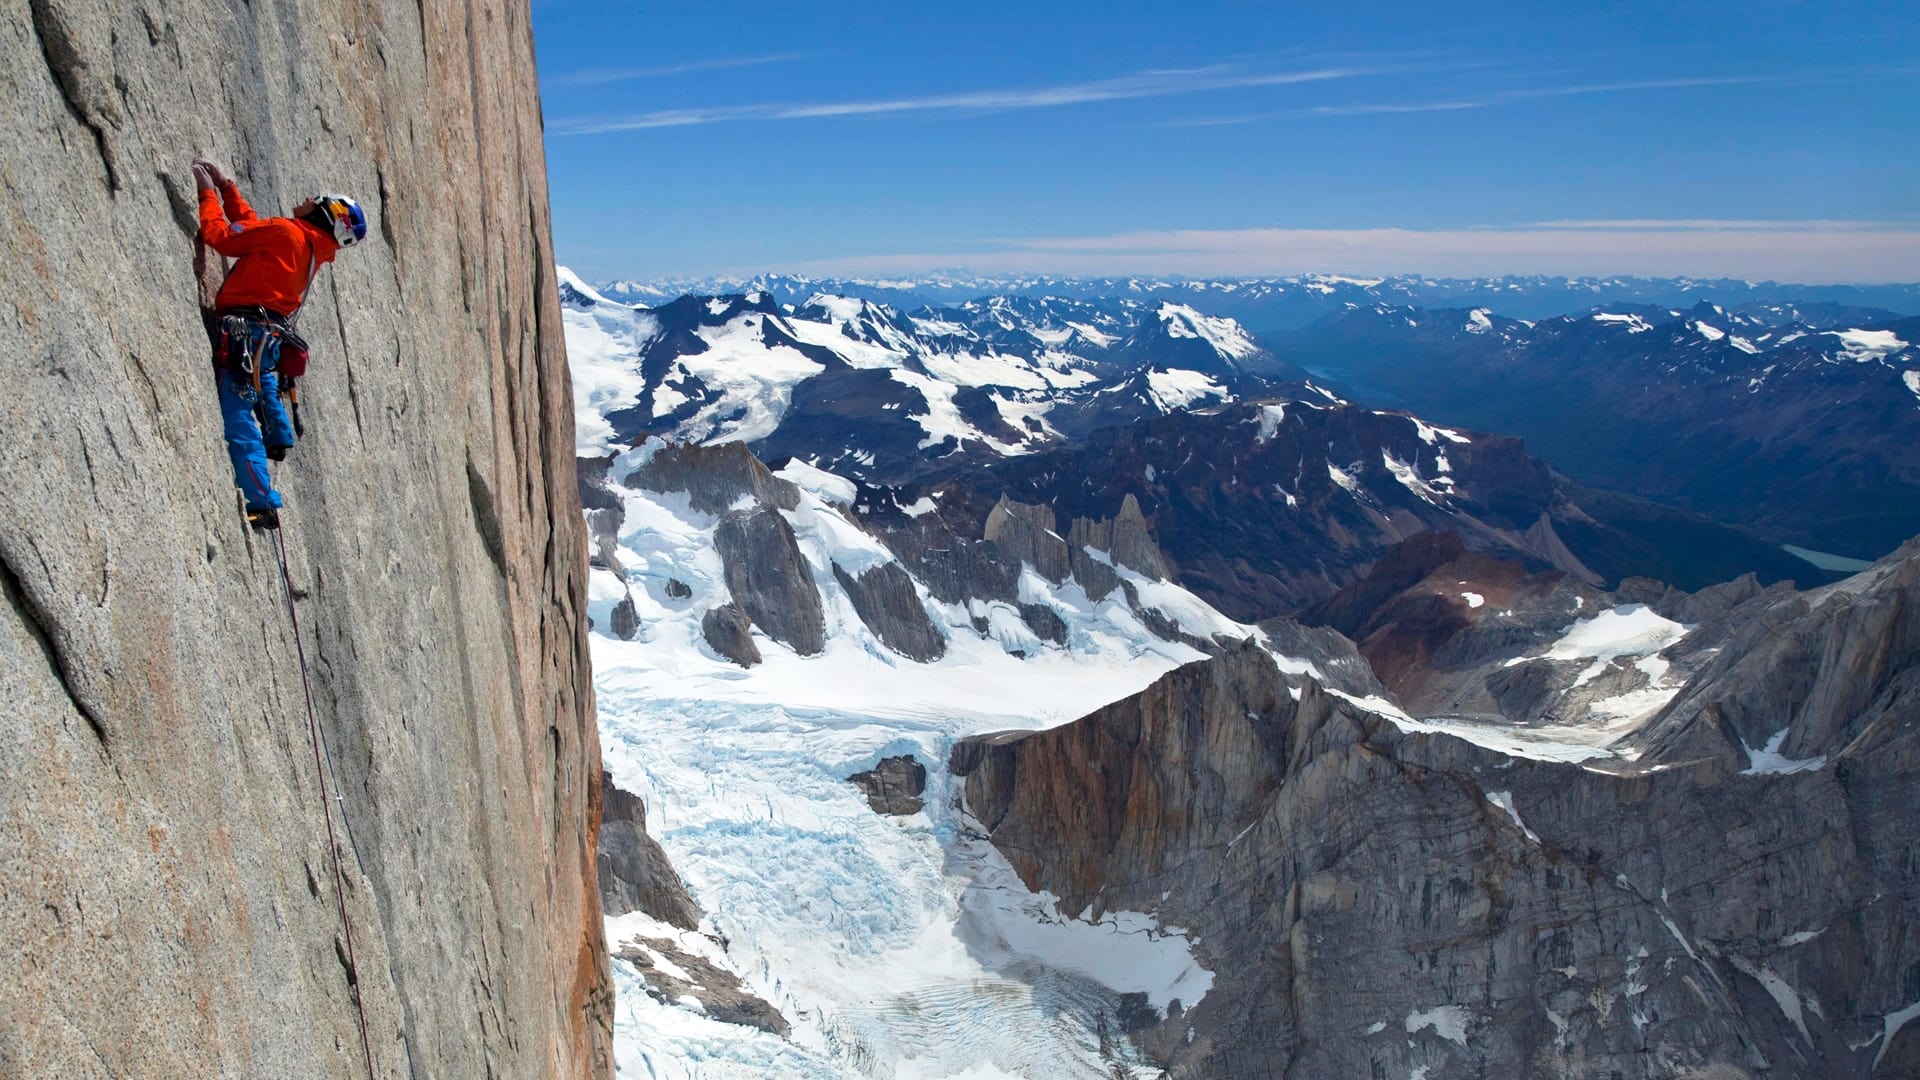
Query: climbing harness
x,y
322,755
250,344
255,339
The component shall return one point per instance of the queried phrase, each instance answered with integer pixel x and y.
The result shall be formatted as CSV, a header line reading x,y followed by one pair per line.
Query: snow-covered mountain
x,y
1289,302
1800,420
1267,507
974,763
860,387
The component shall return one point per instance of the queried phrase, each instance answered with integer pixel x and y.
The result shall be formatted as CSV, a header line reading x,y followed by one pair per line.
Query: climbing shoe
x,y
277,453
264,518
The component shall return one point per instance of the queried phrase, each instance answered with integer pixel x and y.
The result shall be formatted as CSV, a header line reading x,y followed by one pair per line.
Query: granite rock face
x,y
633,871
1813,676
161,831
1025,533
769,578
885,599
1126,536
1378,900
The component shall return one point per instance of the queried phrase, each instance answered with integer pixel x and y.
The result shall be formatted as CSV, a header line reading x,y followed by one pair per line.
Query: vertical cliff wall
x,y
166,897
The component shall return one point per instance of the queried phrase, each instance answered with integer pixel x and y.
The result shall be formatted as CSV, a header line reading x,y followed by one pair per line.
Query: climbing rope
x,y
321,775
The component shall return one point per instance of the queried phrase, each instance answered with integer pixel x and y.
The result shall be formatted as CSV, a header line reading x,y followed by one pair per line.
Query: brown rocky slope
x,y
1375,899
166,896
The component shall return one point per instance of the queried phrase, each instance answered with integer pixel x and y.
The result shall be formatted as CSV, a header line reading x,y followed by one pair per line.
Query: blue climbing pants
x,y
252,427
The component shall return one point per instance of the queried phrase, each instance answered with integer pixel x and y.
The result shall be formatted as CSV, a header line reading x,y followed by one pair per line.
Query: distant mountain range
x,y
1267,492
1268,507
858,387
1283,303
1800,420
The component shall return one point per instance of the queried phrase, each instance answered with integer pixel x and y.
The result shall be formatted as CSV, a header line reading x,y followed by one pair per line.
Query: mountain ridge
x,y
1285,302
1441,897
1800,423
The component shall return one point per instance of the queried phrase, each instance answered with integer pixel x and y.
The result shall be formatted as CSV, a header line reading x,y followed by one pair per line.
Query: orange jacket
x,y
272,256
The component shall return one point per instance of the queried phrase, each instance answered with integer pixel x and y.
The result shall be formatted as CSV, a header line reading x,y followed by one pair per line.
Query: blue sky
x,y
1757,140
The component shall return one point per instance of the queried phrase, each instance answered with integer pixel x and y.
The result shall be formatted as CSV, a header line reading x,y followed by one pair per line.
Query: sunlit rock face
x,y
170,901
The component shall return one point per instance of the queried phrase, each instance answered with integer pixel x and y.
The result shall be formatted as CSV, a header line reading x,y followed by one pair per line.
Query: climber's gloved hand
x,y
215,178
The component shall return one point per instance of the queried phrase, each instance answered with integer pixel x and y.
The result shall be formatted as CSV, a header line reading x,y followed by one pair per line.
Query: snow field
x,y
1179,389
755,380
601,345
1768,760
1627,630
1225,335
1864,345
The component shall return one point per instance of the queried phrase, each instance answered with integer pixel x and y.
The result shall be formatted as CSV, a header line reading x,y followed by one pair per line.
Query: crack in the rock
x,y
40,626
64,63
486,517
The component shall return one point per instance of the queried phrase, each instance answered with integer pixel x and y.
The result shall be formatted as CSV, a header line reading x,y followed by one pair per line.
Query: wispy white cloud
x,y
1383,108
1148,84
606,76
1721,224
1470,101
1506,97
1783,250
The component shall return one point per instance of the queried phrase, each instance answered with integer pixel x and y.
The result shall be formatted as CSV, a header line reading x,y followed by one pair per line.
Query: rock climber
x,y
256,353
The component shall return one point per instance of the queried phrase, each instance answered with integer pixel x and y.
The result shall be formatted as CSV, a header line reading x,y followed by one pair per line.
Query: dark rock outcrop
x,y
1438,624
1025,533
169,900
894,786
769,578
626,622
954,568
715,478
634,873
1336,660
886,601
1045,622
1380,901
730,633
719,992
1265,510
1458,633
1126,538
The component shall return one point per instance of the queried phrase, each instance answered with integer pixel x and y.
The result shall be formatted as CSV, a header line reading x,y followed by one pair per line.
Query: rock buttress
x,y
160,831
1377,901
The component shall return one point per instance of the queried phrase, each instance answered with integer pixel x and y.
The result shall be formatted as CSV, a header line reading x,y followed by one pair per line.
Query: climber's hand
x,y
201,178
214,176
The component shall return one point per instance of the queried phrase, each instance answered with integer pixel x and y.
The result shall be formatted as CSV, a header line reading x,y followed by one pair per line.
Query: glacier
x,y
893,946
